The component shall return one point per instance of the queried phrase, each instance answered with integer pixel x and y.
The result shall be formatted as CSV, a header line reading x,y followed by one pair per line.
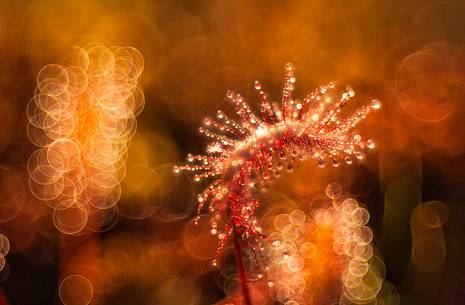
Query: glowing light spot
x,y
76,290
82,118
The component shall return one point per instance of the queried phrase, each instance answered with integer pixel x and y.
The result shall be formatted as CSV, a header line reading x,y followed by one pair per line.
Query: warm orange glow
x,y
90,209
82,118
325,255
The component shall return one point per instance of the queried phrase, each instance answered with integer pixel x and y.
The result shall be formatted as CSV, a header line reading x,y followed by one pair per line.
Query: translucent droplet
x,y
375,104
359,155
207,121
289,67
350,91
370,144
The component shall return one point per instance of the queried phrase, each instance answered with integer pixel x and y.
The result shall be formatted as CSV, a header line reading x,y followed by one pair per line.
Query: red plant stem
x,y
241,268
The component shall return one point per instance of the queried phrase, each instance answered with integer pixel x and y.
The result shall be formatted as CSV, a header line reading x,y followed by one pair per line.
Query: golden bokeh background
x,y
408,53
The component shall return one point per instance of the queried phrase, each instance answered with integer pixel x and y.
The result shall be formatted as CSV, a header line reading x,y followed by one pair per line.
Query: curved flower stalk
x,y
249,155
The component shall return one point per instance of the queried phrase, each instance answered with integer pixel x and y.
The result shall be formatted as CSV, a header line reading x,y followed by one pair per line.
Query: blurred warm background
x,y
408,53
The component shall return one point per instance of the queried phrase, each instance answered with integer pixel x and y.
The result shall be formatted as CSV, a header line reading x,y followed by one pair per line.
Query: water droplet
x,y
359,155
289,67
370,144
375,104
350,91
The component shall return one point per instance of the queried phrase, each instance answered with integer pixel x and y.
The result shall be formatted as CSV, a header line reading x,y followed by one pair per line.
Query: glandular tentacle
x,y
249,154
